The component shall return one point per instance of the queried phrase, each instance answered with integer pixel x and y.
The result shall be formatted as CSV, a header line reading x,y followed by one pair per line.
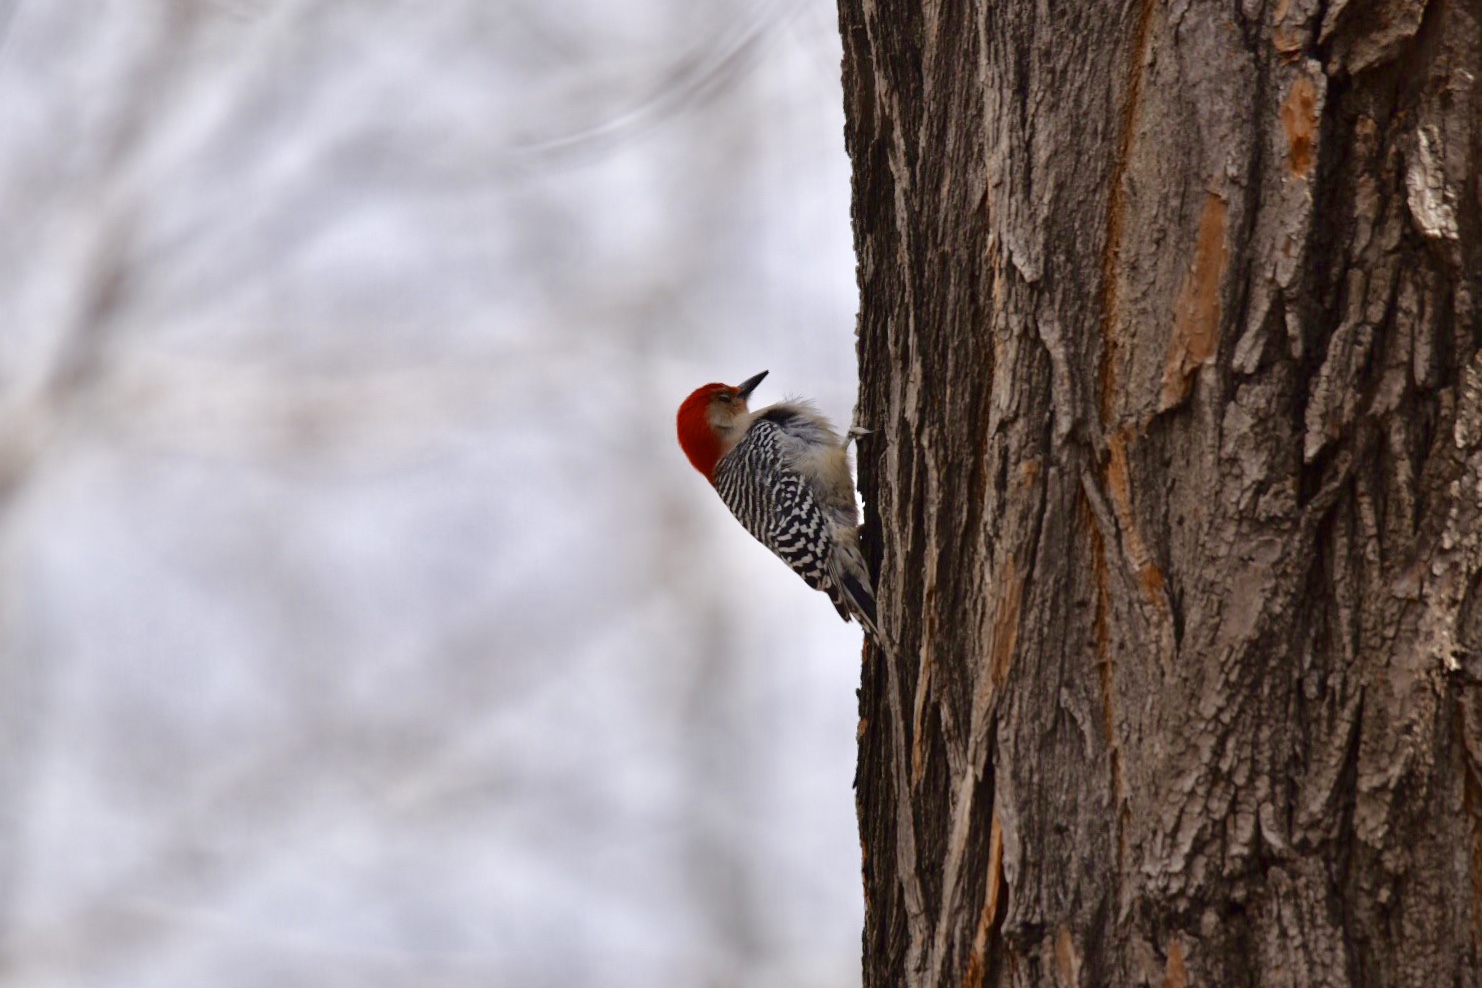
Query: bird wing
x,y
776,504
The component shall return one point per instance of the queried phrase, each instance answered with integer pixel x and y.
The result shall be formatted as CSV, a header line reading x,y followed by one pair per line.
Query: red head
x,y
712,420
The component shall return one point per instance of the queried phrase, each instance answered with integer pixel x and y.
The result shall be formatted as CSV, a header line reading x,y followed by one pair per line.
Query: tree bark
x,y
1169,347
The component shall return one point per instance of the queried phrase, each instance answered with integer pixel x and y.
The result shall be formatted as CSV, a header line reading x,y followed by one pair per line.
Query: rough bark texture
x,y
1169,345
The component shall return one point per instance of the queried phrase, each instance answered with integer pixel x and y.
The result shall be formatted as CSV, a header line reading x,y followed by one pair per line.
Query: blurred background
x,y
360,621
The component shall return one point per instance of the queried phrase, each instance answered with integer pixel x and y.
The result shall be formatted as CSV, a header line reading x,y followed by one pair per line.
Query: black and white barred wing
x,y
777,506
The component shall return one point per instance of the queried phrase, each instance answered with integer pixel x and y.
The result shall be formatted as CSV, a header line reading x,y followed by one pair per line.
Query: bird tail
x,y
848,586
861,603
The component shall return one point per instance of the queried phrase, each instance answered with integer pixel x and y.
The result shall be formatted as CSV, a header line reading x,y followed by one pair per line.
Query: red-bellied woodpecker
x,y
784,473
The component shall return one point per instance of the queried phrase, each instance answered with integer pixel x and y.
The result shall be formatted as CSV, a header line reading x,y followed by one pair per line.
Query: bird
x,y
784,473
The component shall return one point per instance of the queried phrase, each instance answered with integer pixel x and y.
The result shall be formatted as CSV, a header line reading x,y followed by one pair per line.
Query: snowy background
x,y
361,622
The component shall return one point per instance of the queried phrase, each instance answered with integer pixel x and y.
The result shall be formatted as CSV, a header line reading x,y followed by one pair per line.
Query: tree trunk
x,y
1169,348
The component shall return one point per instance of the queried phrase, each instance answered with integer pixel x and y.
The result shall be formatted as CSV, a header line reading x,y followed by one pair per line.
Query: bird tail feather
x,y
861,603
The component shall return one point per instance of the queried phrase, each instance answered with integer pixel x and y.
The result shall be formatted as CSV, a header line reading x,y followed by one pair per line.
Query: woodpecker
x,y
784,473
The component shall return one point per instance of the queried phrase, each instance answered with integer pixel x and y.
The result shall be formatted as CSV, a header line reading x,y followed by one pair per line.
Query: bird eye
x,y
724,397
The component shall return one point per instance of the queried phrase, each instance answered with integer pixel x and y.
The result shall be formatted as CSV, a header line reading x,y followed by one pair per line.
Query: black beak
x,y
746,387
